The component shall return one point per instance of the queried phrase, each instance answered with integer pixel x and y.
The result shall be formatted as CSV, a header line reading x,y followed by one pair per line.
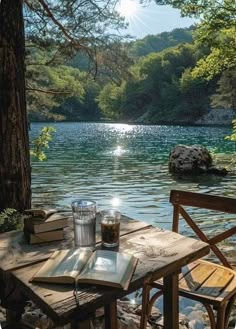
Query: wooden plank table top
x,y
161,254
15,252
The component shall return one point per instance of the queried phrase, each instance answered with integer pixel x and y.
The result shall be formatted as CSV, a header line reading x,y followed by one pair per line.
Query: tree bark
x,y
15,169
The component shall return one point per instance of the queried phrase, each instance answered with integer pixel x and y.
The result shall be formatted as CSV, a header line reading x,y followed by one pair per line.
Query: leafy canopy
x,y
217,29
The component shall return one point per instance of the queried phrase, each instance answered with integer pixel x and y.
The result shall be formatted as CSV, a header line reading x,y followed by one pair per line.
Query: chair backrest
x,y
179,199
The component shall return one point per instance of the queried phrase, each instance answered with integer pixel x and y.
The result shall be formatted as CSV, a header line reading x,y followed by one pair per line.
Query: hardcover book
x,y
54,222
102,267
40,213
44,236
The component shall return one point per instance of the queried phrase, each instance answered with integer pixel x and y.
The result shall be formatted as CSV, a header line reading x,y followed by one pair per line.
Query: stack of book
x,y
44,225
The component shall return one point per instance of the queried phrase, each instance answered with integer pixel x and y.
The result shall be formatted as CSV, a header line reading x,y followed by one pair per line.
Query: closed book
x,y
76,266
44,236
54,222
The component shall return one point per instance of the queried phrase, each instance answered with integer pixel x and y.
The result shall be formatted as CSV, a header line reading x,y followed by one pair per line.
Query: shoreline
x,y
140,124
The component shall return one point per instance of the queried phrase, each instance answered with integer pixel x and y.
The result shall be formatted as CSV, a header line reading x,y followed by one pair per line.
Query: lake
x,y
125,166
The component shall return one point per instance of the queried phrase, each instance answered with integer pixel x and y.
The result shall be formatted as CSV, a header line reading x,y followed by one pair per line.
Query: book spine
x,y
45,227
44,237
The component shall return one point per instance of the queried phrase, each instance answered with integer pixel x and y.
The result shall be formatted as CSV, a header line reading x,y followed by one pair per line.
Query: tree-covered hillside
x,y
161,90
158,79
72,93
159,42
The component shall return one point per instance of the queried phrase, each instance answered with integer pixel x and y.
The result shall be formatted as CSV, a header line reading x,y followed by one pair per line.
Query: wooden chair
x,y
211,284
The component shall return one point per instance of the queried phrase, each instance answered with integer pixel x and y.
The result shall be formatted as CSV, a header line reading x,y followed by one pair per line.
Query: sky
x,y
151,19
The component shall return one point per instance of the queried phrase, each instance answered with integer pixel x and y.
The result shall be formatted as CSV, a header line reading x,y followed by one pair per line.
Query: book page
x,y
63,263
108,268
43,213
57,216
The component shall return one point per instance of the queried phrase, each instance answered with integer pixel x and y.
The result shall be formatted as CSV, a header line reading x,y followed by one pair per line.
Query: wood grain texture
x,y
160,253
15,169
171,302
212,202
15,252
205,201
205,282
111,315
211,284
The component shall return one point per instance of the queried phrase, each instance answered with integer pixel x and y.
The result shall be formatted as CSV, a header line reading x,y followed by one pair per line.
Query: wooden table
x,y
161,254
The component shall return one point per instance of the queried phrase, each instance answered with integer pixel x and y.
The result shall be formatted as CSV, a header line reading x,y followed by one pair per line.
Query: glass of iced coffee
x,y
110,227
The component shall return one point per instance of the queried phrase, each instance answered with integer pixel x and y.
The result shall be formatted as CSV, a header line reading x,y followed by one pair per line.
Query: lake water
x,y
124,166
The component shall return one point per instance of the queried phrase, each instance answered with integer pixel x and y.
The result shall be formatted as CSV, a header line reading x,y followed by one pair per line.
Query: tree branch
x,y
53,92
60,26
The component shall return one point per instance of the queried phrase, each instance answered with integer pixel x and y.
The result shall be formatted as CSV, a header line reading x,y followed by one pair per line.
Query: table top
x,y
15,252
160,253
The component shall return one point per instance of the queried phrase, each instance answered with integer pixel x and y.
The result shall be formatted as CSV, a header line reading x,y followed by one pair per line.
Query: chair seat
x,y
205,282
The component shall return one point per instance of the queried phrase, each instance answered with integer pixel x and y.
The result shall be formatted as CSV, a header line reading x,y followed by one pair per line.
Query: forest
x,y
157,79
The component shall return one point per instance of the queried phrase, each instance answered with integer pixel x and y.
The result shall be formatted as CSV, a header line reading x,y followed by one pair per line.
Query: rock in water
x,y
194,159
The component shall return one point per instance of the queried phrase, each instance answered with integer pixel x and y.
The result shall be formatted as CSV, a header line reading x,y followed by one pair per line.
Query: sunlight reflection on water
x,y
123,162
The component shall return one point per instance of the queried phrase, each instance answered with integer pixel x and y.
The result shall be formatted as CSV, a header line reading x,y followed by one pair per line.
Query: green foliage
x,y
110,100
176,83
217,30
232,137
161,89
194,94
49,86
225,96
42,142
68,27
10,220
159,42
82,34
82,109
221,57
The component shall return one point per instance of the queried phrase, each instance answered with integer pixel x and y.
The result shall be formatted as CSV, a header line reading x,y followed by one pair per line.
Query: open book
x,y
101,267
40,213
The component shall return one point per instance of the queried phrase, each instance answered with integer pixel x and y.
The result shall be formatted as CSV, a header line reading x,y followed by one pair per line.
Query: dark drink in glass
x,y
110,227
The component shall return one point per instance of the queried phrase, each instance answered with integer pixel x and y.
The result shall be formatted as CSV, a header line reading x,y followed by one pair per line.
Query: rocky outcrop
x,y
192,160
217,117
189,159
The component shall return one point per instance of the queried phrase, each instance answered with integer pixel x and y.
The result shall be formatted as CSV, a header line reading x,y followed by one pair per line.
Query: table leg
x,y
171,301
86,324
13,316
110,315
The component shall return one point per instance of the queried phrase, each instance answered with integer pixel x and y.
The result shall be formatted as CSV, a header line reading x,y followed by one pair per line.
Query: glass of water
x,y
84,218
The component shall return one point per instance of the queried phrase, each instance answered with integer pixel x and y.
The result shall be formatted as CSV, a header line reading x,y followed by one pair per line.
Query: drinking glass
x,y
110,227
84,219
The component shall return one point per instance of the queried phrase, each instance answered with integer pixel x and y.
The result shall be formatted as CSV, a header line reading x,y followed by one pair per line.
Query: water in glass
x,y
84,215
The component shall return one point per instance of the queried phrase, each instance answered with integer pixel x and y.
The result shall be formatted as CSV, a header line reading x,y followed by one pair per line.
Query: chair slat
x,y
204,238
222,236
206,201
178,196
175,224
220,256
216,283
194,279
193,225
212,284
187,269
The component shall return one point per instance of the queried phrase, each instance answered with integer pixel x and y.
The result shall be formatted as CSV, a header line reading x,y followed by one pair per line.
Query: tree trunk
x,y
15,170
